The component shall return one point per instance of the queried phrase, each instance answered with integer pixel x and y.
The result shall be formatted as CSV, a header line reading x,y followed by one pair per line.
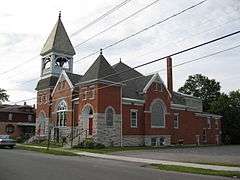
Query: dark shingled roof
x,y
25,109
129,72
134,88
99,70
46,83
131,88
74,78
58,41
52,80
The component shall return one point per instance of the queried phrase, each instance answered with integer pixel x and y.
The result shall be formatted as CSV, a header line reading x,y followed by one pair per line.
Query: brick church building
x,y
115,105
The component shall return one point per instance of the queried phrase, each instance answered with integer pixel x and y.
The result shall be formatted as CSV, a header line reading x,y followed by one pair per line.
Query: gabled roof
x,y
74,78
133,81
130,72
58,41
101,70
134,88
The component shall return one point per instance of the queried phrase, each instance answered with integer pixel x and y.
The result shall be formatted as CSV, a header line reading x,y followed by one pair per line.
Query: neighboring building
x,y
115,105
17,120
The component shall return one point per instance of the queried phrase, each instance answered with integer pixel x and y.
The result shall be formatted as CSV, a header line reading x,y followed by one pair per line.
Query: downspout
x,y
72,123
121,135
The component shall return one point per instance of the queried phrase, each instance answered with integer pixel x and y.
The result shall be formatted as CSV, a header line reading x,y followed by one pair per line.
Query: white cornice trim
x,y
129,100
63,74
208,115
101,81
154,79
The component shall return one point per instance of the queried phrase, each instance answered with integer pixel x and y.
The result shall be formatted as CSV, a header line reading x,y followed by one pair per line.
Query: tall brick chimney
x,y
169,75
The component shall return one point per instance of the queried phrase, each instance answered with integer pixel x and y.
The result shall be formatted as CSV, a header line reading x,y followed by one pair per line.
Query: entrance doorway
x,y
87,115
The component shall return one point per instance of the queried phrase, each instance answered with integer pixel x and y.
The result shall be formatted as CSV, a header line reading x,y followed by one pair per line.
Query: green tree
x,y
229,107
201,86
3,95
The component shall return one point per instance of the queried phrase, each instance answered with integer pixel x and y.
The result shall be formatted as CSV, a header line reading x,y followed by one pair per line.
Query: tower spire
x,y
59,15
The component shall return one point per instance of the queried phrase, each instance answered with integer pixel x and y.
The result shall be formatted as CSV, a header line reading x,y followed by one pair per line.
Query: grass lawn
x,y
107,150
112,149
45,143
196,170
53,151
216,163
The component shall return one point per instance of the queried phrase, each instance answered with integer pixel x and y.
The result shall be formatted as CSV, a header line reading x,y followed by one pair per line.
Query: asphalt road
x,y
25,165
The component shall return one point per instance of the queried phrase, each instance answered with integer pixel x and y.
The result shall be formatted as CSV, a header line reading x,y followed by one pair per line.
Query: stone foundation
x,y
133,140
109,136
148,140
145,140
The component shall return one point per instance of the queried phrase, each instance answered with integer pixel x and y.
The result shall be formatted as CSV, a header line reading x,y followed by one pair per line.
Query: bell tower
x,y
57,52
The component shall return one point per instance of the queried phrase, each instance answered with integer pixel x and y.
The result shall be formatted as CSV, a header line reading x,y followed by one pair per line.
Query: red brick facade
x,y
116,108
17,121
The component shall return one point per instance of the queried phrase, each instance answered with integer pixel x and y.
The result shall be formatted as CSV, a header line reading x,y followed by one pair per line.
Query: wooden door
x,y
90,125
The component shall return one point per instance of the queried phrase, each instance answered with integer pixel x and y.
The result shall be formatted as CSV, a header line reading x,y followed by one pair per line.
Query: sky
x,y
25,26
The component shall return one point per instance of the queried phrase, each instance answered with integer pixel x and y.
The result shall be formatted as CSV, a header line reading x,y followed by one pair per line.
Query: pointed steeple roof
x,y
101,70
58,40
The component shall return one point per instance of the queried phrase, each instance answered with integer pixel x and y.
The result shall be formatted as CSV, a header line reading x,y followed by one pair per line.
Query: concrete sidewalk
x,y
141,160
152,161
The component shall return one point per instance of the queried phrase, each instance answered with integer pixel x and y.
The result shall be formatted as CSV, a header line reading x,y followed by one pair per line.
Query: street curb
x,y
152,161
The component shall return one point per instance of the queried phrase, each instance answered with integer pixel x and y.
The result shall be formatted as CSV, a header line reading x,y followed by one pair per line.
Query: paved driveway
x,y
226,154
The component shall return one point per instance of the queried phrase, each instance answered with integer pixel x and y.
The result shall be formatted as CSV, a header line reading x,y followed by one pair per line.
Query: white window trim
x,y
216,124
176,127
136,111
10,116
62,110
92,88
209,124
84,91
164,111
205,141
29,117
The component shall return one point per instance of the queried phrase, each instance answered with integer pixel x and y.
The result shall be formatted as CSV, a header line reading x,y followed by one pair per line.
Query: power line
x,y
145,29
117,23
17,66
128,37
75,33
153,25
101,17
196,34
193,35
180,64
180,52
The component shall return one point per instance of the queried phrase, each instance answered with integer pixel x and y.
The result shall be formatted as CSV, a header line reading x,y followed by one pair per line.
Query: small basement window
x,y
154,141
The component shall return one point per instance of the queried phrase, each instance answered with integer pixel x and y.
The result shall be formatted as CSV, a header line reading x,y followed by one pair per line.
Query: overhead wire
x,y
153,61
73,34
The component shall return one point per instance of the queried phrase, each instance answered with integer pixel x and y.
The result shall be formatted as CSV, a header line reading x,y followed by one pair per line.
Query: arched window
x,y
157,114
62,114
109,116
